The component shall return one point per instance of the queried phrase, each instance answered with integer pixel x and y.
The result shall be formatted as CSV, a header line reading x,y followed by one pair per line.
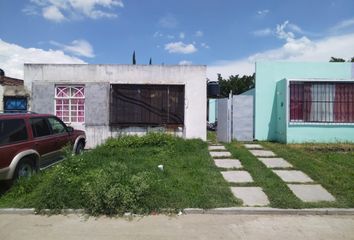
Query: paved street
x,y
179,227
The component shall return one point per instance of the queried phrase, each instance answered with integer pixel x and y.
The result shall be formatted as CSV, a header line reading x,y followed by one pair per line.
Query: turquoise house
x,y
297,102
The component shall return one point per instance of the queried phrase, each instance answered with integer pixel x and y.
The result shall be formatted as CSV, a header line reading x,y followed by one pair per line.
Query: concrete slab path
x,y
251,196
275,163
228,163
237,176
293,176
262,153
211,148
253,146
220,154
311,193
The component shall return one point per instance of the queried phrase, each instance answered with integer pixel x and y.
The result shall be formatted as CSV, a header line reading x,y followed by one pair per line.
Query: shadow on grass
x,y
4,187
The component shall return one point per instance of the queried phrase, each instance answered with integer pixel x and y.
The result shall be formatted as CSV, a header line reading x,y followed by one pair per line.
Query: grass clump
x,y
331,165
122,176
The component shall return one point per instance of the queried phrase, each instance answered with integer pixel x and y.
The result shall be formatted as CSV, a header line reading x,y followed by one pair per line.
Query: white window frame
x,y
70,104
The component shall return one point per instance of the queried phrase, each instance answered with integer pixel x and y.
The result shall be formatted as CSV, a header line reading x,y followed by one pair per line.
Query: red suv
x,y
29,142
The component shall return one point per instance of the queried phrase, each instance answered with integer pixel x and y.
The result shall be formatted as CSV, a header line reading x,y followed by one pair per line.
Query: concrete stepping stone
x,y
262,153
250,196
253,146
220,154
211,148
275,163
293,176
237,176
228,163
311,193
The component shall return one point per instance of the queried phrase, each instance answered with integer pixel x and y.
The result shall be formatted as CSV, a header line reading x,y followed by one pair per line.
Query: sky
x,y
228,36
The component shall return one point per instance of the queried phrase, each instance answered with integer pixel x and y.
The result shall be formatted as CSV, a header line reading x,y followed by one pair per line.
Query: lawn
x,y
122,175
331,165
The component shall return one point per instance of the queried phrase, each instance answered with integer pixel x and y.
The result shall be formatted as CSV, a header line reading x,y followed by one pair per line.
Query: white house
x,y
108,100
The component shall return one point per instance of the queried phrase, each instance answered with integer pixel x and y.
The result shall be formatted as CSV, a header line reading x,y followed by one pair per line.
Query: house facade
x,y
13,95
304,102
110,100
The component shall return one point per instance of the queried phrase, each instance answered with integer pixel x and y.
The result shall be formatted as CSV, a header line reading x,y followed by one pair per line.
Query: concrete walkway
x,y
250,195
294,178
260,227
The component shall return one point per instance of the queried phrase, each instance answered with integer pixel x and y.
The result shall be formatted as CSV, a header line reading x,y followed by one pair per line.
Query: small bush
x,y
151,139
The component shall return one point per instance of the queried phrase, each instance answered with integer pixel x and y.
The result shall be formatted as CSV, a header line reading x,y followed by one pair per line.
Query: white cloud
x,y
12,58
301,49
185,62
286,30
78,47
170,36
59,10
263,12
52,13
158,34
168,21
199,33
295,28
281,32
204,45
182,35
343,25
262,32
180,47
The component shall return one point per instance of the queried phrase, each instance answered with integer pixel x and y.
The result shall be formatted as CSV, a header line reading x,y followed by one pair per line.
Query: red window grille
x,y
328,102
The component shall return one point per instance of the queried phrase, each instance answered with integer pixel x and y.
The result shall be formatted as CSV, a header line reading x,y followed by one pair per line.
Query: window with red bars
x,y
322,102
146,105
70,103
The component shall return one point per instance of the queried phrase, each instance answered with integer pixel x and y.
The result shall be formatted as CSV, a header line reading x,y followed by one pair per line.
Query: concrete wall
x,y
271,102
41,78
242,120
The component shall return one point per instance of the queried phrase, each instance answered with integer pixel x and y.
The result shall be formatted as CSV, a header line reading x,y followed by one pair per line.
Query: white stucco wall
x,y
193,77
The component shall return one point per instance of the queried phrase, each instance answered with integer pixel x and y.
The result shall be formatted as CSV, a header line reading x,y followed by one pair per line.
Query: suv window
x,y
57,126
12,130
40,127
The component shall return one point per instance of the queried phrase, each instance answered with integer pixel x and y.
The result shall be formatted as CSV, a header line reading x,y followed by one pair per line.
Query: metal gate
x,y
235,118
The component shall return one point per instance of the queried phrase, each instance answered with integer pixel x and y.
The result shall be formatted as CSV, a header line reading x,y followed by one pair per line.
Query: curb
x,y
270,211
216,211
32,211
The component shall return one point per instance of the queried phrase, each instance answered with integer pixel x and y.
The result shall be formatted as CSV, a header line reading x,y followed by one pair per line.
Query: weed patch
x,y
122,176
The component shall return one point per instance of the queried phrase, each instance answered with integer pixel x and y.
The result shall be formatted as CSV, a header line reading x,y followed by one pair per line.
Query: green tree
x,y
236,84
334,59
134,60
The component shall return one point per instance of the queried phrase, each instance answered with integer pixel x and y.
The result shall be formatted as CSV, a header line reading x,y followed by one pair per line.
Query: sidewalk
x,y
75,227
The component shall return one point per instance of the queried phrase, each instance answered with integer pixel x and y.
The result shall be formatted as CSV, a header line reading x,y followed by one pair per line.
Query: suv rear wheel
x,y
25,168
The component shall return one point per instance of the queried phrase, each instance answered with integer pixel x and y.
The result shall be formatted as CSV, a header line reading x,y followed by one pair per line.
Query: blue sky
x,y
227,35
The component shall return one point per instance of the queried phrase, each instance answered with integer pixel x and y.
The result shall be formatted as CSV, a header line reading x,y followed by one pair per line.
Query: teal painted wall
x,y
212,113
270,101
